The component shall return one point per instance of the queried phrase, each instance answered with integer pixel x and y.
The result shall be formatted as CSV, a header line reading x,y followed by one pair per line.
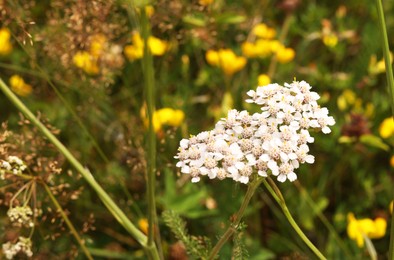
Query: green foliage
x,y
195,246
240,252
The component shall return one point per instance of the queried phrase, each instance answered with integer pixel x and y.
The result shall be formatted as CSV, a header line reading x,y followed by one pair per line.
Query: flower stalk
x,y
390,82
119,215
277,195
148,71
68,222
233,226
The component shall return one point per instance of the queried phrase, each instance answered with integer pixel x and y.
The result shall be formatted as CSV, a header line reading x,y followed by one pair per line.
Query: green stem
x,y
390,82
233,226
68,222
323,219
147,65
66,105
277,195
103,195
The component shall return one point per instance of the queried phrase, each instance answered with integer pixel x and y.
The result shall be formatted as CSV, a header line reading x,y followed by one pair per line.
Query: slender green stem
x,y
103,195
67,221
233,226
324,220
148,69
66,104
277,195
390,82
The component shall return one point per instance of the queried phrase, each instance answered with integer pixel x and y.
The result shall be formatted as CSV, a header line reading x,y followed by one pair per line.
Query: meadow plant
x,y
125,81
273,142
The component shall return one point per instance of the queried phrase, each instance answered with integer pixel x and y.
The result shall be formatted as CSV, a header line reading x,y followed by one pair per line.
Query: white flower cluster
x,y
274,141
23,245
12,164
21,216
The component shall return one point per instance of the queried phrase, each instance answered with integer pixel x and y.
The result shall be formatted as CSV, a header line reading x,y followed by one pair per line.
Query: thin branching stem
x,y
390,82
68,222
103,195
277,195
237,219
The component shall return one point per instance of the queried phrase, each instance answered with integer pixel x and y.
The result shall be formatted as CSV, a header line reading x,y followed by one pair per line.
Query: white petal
x,y
309,158
282,178
195,179
292,176
262,173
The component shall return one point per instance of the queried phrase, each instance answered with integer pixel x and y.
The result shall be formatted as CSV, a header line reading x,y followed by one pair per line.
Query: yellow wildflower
x,y
330,40
143,225
346,99
261,30
149,10
376,67
163,116
263,47
19,86
205,2
136,49
275,46
263,80
87,62
5,43
157,46
392,165
169,116
357,229
97,44
226,59
285,55
386,128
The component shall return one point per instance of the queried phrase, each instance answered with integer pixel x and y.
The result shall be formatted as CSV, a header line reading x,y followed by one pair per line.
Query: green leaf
x,y
229,18
195,20
374,141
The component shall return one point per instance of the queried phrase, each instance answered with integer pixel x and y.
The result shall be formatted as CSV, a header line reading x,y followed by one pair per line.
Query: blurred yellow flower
x,y
226,59
5,43
391,206
386,128
346,99
97,45
19,86
163,116
392,161
376,67
276,46
357,229
330,40
169,116
136,49
261,48
205,2
149,10
157,46
143,225
87,62
263,80
261,30
285,55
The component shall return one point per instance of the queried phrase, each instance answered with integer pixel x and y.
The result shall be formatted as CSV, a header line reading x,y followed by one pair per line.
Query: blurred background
x,y
77,64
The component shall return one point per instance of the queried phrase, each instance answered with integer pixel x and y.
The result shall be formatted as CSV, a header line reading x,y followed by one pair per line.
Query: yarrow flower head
x,y
273,142
12,165
21,216
23,245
